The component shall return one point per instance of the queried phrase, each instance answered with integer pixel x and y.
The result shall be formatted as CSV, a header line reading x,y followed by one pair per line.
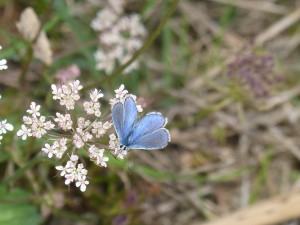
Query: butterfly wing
x,y
118,115
124,117
149,123
148,133
131,114
157,139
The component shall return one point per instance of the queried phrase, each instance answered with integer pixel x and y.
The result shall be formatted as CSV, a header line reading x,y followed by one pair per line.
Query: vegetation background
x,y
224,72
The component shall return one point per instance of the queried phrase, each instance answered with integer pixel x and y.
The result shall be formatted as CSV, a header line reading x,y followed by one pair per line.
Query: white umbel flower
x,y
60,147
97,155
67,94
82,183
92,108
96,95
64,121
99,128
121,94
24,132
34,109
4,127
74,173
40,126
104,19
105,61
120,36
48,149
120,153
3,62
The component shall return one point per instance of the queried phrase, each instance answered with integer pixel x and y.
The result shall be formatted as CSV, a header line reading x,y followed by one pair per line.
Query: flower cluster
x,y
255,71
67,94
74,172
4,127
34,125
58,148
121,94
114,144
93,107
97,155
69,134
3,62
68,74
119,36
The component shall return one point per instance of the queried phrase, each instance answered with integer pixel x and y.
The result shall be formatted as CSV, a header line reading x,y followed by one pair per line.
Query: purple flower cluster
x,y
254,70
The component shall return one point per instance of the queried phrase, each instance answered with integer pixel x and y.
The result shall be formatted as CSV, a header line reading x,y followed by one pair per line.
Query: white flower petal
x,y
9,127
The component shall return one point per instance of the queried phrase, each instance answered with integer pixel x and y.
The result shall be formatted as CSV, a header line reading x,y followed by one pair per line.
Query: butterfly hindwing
x,y
157,139
147,124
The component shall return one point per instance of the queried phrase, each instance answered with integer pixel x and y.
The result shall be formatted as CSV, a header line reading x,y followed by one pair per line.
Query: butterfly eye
x,y
123,148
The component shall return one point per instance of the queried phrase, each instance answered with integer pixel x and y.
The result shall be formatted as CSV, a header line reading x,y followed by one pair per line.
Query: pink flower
x,y
68,74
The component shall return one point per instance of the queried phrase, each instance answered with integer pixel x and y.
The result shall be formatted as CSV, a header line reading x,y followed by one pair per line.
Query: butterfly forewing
x,y
131,114
118,115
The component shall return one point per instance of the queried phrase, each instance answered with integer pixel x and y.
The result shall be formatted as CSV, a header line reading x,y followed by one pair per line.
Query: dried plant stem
x,y
272,211
278,27
263,6
198,18
138,53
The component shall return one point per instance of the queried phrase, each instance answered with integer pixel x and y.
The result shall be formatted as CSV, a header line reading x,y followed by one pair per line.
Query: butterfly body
x,y
147,133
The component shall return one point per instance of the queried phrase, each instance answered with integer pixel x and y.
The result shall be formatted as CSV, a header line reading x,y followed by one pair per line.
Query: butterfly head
x,y
123,147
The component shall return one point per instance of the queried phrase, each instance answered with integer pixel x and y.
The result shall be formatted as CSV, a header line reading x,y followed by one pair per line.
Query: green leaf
x,y
3,156
14,212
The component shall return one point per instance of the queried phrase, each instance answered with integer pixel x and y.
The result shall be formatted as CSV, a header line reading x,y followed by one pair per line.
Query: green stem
x,y
44,20
21,171
138,53
26,64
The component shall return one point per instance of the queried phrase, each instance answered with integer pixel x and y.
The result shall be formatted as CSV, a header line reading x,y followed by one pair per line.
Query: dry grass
x,y
230,149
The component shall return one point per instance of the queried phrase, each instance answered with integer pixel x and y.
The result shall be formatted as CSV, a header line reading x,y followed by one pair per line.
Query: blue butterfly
x,y
147,133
